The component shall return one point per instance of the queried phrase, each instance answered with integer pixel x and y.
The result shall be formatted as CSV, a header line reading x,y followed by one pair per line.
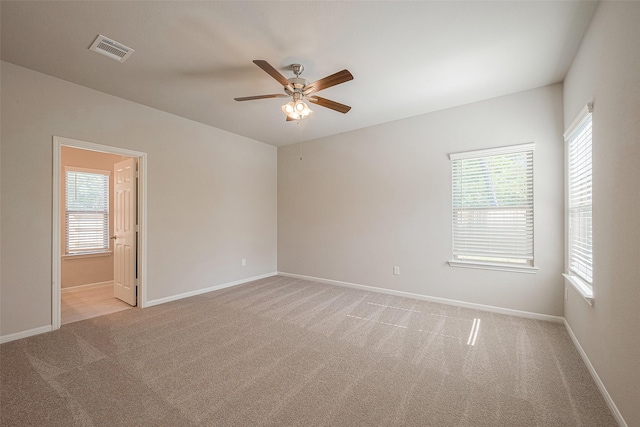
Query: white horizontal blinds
x,y
86,211
493,205
580,200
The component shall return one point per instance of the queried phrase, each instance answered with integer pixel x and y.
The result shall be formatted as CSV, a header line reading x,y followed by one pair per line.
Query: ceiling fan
x,y
300,90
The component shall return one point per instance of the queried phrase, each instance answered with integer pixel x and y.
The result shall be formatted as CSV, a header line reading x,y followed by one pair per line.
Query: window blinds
x,y
493,205
86,211
580,256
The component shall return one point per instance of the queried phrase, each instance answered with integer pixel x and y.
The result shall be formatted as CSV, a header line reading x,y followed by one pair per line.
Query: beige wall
x,y
359,203
211,194
79,270
606,71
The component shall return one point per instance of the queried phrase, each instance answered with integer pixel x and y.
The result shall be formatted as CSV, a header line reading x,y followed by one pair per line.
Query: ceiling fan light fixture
x,y
297,110
306,111
288,108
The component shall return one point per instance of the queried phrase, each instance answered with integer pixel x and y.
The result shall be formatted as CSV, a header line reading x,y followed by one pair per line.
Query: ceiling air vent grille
x,y
111,48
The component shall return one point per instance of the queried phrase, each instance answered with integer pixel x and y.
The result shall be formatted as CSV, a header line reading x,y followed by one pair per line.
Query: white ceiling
x,y
192,58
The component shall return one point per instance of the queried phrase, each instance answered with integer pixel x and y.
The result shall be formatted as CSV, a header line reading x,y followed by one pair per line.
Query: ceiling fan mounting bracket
x,y
297,69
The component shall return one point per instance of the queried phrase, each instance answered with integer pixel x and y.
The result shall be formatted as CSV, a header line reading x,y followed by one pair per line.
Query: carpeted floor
x,y
287,352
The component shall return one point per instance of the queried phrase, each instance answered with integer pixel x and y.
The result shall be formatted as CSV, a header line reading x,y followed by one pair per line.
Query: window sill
x,y
490,266
86,255
583,289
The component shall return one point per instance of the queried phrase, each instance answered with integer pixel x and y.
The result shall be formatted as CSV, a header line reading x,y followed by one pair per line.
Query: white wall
x,y
359,203
607,72
211,194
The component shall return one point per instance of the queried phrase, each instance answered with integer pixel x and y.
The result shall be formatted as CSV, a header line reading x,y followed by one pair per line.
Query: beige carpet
x,y
286,352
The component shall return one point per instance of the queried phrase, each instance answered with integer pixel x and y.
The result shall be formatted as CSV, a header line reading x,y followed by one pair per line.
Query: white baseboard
x,y
84,287
605,394
205,290
474,306
25,334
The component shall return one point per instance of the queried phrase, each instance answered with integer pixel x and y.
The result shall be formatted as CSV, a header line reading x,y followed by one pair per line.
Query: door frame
x,y
58,143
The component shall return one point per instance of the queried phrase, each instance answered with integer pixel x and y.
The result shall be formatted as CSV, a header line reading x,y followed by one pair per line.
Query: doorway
x,y
87,244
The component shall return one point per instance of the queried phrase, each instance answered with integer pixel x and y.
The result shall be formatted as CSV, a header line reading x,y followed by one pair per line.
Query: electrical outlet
x,y
244,262
396,271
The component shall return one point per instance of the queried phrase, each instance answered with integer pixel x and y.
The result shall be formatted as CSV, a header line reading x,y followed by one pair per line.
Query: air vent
x,y
111,48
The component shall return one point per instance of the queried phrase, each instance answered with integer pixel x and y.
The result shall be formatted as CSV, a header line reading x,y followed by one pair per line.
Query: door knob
x,y
113,237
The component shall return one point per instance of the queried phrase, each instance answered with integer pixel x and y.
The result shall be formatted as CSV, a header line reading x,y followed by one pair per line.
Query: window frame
x,y
525,267
581,284
106,248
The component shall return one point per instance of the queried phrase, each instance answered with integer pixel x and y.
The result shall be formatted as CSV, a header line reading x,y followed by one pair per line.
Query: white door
x,y
124,224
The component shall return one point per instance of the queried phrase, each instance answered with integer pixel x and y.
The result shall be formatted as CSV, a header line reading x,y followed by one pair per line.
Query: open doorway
x,y
88,216
99,216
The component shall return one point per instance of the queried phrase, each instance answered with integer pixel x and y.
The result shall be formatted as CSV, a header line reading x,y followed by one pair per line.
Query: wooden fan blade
x,y
273,73
289,119
323,102
332,80
249,98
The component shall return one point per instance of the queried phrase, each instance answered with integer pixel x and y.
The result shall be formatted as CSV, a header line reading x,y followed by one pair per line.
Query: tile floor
x,y
85,303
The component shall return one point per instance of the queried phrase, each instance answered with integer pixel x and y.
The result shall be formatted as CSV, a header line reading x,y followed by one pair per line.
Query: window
x,y
493,208
579,199
86,211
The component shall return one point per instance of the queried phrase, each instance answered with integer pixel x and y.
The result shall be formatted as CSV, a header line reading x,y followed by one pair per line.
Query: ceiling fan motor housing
x,y
298,84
